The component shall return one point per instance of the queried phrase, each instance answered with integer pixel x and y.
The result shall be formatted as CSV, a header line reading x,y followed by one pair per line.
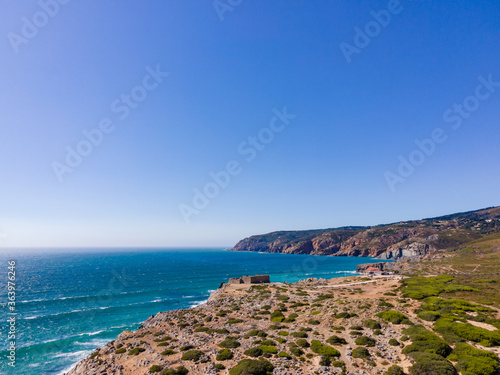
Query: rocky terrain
x,y
279,322
410,240
384,325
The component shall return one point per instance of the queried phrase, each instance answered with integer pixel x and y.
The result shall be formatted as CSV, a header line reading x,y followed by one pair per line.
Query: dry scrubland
x,y
442,318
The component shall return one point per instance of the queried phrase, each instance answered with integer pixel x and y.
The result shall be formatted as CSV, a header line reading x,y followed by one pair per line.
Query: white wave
x,y
51,340
123,326
33,300
197,303
79,353
56,299
97,343
90,333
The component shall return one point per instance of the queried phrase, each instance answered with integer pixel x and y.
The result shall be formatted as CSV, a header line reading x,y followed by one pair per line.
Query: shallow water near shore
x,y
70,303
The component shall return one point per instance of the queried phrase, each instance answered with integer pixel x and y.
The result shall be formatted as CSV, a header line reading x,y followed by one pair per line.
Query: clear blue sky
x,y
327,167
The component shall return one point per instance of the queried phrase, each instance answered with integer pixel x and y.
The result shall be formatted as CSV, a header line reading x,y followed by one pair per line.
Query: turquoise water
x,y
69,304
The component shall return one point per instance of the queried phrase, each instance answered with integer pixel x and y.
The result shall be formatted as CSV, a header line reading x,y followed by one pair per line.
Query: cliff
x,y
409,240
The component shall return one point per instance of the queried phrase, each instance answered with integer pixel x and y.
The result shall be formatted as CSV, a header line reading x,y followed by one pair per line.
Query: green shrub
x,y
394,317
254,352
219,366
394,370
394,342
136,351
313,322
361,352
283,333
252,367
319,348
372,324
277,316
120,351
268,342
385,304
222,331
335,340
474,361
366,341
451,330
155,368
325,361
291,318
255,332
296,352
423,287
302,343
339,364
168,352
425,341
345,315
192,355
224,355
234,321
202,329
322,297
230,342
301,335
430,316
429,364
269,349
181,370
185,348
284,355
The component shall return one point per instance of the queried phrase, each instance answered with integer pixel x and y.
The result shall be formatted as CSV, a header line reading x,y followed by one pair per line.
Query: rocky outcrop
x,y
411,252
389,267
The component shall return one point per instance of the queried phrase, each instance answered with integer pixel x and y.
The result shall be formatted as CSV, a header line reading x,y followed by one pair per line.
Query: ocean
x,y
70,303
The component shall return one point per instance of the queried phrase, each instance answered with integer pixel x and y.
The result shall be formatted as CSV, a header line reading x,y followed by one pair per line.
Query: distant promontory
x,y
407,240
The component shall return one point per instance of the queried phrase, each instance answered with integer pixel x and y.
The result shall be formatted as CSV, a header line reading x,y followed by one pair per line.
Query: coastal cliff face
x,y
411,240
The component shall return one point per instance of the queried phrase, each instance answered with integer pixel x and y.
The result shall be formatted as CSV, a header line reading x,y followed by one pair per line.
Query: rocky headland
x,y
408,241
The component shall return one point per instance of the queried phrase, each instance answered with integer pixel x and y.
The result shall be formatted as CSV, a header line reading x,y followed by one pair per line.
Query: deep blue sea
x,y
70,303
